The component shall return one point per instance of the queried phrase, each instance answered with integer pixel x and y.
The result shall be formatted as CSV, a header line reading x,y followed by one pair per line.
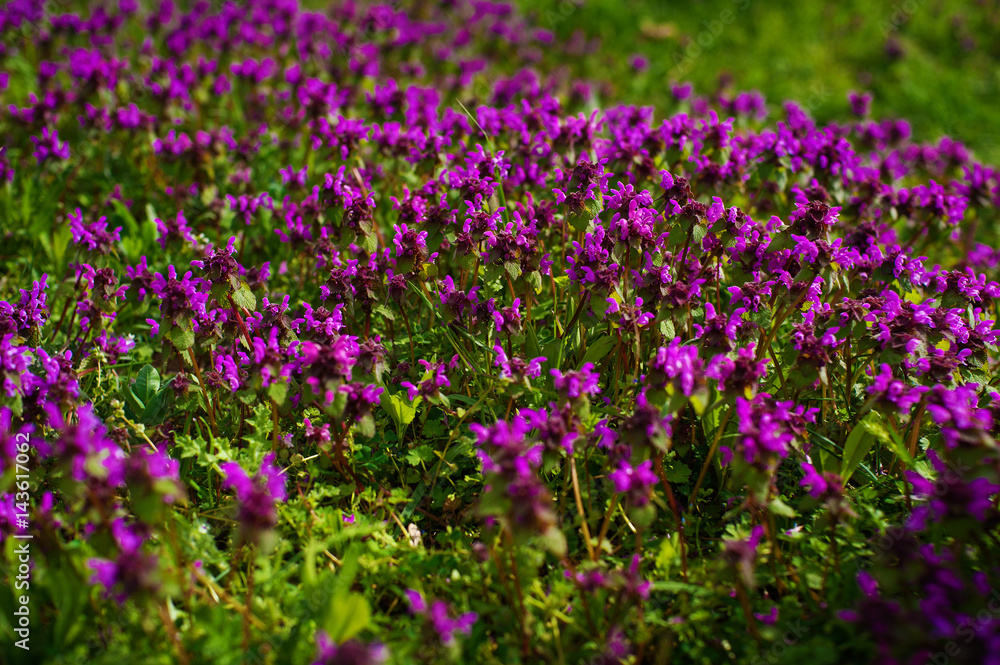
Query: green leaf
x,y
386,312
134,403
492,274
154,407
513,269
130,222
779,507
401,411
859,442
534,278
531,341
555,541
600,348
600,306
349,614
553,352
244,297
677,472
420,454
147,384
366,426
580,222
183,338
667,329
278,391
369,242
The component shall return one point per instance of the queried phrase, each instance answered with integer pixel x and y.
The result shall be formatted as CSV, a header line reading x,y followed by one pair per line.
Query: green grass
x,y
945,79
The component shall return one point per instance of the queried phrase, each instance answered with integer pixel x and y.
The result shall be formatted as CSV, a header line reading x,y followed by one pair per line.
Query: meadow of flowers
x,y
367,334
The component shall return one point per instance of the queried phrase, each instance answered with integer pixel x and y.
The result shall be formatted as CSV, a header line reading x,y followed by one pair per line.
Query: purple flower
x,y
507,320
739,376
48,146
351,652
958,414
220,267
411,248
324,367
437,616
860,103
181,298
677,364
94,235
894,393
637,482
256,496
740,554
951,495
30,312
434,379
575,384
131,572
153,473
516,368
85,448
173,229
764,435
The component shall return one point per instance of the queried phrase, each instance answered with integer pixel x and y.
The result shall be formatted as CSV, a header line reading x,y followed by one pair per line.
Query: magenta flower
x,y
575,384
93,235
256,496
351,652
437,616
636,482
131,572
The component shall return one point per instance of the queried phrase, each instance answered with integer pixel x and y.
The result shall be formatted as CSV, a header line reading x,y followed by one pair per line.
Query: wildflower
x,y
351,652
437,617
575,384
93,235
637,482
741,553
132,572
256,496
678,365
517,369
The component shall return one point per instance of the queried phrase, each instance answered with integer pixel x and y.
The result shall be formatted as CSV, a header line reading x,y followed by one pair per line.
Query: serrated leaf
x,y
492,273
369,243
667,329
513,269
420,454
534,278
366,426
277,391
677,472
243,297
600,306
182,338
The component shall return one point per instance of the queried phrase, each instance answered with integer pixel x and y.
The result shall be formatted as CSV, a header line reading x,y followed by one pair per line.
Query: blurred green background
x,y
933,62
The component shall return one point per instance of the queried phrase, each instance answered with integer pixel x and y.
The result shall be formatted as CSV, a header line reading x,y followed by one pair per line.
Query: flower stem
x,y
204,392
708,459
579,507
